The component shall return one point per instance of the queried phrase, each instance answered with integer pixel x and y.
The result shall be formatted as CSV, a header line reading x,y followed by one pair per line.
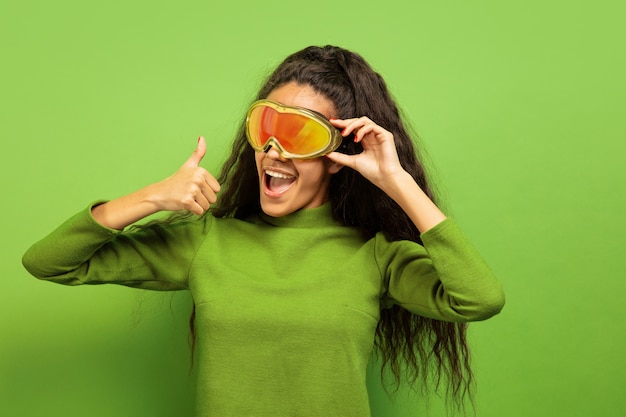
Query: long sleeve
x,y
81,251
446,279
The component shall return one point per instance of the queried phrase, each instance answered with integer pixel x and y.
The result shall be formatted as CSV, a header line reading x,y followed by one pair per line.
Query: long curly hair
x,y
412,347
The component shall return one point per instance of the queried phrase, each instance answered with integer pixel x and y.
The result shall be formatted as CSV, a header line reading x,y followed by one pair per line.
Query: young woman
x,y
323,245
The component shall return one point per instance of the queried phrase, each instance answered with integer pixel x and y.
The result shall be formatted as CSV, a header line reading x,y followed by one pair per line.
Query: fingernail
x,y
356,138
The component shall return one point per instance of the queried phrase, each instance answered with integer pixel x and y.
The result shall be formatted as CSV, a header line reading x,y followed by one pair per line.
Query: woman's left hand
x,y
379,161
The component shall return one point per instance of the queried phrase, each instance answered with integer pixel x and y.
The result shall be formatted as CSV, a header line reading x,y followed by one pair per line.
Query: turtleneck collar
x,y
304,218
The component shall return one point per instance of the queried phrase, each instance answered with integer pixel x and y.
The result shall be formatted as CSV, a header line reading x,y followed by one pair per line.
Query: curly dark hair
x,y
412,347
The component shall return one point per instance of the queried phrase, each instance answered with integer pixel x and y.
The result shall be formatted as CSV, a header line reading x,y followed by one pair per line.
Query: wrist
x,y
152,199
413,200
397,184
124,211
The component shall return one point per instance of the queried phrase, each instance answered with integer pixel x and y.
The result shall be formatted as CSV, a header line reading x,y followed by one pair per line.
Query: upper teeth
x,y
277,174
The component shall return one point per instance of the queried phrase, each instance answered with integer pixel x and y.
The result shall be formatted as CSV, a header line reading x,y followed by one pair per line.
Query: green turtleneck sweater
x,y
286,308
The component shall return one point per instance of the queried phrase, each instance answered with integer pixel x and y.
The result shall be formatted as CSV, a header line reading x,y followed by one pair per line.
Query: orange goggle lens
x,y
295,132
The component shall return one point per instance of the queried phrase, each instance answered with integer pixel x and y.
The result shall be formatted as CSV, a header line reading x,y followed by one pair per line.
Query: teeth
x,y
277,174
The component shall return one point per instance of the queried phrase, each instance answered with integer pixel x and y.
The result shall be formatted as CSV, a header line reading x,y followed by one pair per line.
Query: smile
x,y
277,183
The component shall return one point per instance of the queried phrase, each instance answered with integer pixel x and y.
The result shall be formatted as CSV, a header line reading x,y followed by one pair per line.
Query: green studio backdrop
x,y
520,108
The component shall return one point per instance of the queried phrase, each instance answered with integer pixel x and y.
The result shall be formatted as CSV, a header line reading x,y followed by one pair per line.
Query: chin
x,y
274,211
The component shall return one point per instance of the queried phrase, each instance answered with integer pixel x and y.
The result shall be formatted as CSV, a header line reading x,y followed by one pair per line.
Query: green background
x,y
521,106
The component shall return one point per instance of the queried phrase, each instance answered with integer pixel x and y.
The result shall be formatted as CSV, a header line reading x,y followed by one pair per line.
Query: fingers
x,y
209,188
198,154
196,204
206,192
379,158
202,202
361,127
197,190
211,181
342,159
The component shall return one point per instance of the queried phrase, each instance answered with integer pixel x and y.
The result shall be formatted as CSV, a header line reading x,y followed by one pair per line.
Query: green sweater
x,y
286,308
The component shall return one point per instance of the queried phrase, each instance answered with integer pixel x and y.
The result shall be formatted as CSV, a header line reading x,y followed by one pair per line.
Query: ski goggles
x,y
296,132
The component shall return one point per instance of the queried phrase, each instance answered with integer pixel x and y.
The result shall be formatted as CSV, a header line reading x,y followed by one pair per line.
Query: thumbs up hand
x,y
191,188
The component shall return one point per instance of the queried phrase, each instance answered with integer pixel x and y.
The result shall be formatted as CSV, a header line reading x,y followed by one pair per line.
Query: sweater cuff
x,y
444,227
90,220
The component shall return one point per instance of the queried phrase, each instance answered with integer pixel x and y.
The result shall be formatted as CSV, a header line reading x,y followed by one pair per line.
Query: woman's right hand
x,y
191,188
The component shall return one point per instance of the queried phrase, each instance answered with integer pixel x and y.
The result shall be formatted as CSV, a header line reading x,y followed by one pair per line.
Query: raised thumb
x,y
198,154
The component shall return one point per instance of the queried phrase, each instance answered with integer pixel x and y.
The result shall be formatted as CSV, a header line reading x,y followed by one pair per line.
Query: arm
x,y
446,279
89,247
82,251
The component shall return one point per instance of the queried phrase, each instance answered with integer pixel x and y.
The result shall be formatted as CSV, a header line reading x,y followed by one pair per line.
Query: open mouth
x,y
276,183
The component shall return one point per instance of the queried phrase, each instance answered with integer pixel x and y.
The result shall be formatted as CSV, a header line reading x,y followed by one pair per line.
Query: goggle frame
x,y
334,135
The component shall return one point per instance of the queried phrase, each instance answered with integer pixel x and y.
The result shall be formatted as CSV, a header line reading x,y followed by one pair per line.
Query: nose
x,y
274,153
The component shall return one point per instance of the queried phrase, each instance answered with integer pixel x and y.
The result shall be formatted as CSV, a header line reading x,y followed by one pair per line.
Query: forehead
x,y
298,95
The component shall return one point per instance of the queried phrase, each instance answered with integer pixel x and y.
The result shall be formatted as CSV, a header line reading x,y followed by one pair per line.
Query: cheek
x,y
258,160
313,173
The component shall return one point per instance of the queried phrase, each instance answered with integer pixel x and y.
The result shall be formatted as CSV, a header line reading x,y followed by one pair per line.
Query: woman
x,y
323,243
